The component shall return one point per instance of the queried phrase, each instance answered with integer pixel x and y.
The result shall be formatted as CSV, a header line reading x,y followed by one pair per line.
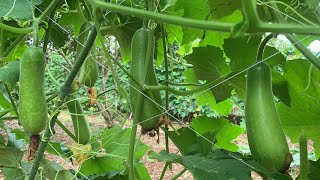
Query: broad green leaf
x,y
280,87
226,131
73,21
208,63
58,36
217,38
194,9
303,114
4,103
101,165
314,169
116,142
17,9
223,167
124,35
273,57
185,142
9,74
15,141
10,157
164,156
222,8
141,171
207,97
204,144
12,173
242,51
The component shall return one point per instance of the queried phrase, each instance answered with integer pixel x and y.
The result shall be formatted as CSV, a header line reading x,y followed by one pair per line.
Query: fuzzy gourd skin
x,y
80,125
266,138
33,113
139,50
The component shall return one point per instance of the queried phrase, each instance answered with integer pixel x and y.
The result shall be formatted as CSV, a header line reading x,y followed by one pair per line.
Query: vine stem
x,y
65,89
207,25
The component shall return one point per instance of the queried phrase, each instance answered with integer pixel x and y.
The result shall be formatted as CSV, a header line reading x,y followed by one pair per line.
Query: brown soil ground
x,y
154,167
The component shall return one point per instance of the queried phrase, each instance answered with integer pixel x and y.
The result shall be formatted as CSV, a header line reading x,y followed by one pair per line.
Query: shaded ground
x,y
154,167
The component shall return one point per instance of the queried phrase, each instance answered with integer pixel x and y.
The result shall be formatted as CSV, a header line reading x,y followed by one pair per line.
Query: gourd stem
x,y
66,130
262,47
65,90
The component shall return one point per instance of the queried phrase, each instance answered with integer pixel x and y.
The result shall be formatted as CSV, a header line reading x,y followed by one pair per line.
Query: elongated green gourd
x,y
89,71
80,125
33,113
266,138
150,113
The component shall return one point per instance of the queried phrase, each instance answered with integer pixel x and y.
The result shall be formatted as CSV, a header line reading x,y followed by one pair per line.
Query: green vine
x,y
208,25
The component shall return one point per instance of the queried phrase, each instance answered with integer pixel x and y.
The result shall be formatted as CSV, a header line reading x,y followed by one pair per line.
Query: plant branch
x,y
66,130
207,25
65,89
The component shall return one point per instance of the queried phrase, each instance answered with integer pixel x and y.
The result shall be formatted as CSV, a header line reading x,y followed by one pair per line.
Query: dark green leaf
x,y
303,114
164,156
101,165
242,51
194,9
314,169
9,73
185,142
13,173
10,157
226,131
223,8
224,167
141,171
17,9
116,141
